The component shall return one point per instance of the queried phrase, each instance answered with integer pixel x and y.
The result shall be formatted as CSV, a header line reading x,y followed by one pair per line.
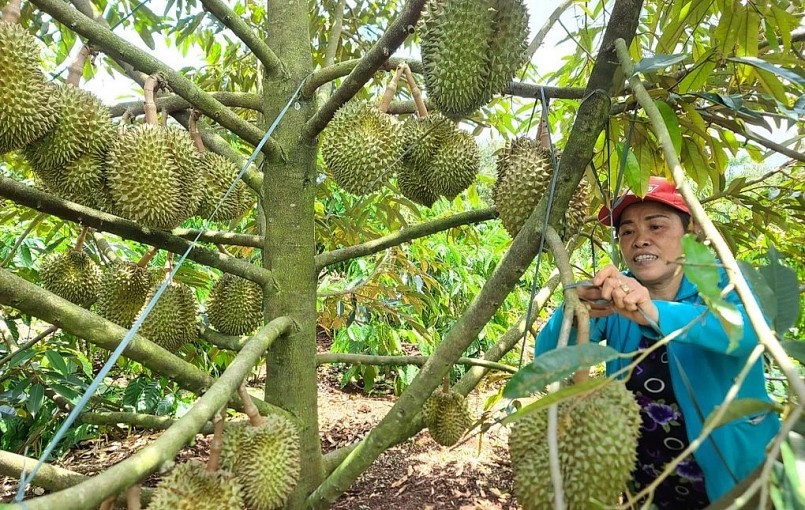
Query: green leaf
x,y
671,123
57,362
554,366
636,180
553,398
700,267
766,66
730,318
795,349
65,391
739,408
35,398
764,293
782,281
698,75
657,62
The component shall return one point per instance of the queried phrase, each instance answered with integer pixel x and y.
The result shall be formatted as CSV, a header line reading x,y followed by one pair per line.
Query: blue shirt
x,y
701,362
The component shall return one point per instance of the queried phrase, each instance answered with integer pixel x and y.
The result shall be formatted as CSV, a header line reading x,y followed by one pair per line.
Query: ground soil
x,y
417,474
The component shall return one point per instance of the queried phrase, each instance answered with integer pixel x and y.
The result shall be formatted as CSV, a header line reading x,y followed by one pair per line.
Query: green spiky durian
x,y
189,486
362,147
143,178
189,178
577,209
234,433
72,275
265,461
235,305
524,175
219,172
172,321
508,45
423,136
124,288
27,105
81,181
454,165
447,416
597,441
411,184
84,127
455,37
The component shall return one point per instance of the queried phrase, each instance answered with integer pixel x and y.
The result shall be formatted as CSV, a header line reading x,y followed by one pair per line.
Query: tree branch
x,y
367,359
143,421
212,236
239,27
736,128
228,342
403,236
90,493
398,31
173,103
334,71
117,48
35,199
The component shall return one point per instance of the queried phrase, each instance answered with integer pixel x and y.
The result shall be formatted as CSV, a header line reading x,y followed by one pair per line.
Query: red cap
x,y
659,190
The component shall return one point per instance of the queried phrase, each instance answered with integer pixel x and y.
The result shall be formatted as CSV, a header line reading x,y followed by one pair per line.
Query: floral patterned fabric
x,y
663,436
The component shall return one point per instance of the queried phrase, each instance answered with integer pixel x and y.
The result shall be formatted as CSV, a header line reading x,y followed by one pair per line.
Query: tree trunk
x,y
289,190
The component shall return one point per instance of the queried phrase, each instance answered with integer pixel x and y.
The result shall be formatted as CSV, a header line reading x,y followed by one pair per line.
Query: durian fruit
x,y
84,127
27,105
72,275
454,165
447,416
410,182
455,37
265,461
123,290
577,210
189,177
235,305
189,486
509,44
524,175
362,147
218,173
423,136
81,181
597,441
172,321
150,177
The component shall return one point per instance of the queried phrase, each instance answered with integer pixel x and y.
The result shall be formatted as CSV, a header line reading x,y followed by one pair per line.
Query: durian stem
x,y
108,503
421,110
163,119
249,408
543,132
391,89
11,12
147,256
150,106
222,249
133,497
79,244
217,444
192,128
76,69
104,248
124,119
446,384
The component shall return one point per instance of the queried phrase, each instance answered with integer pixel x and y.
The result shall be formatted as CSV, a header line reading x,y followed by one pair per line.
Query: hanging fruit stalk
x,y
416,93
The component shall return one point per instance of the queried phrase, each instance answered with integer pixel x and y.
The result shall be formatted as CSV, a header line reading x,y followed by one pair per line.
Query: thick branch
x,y
367,359
341,69
403,236
212,236
532,90
228,342
119,477
35,199
239,27
398,31
173,103
143,421
119,49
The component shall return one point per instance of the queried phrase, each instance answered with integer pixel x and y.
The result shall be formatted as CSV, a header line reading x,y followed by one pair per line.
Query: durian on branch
x,y
117,48
36,301
92,492
35,199
397,32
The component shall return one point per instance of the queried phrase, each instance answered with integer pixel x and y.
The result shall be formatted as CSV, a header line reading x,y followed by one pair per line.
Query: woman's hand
x,y
627,296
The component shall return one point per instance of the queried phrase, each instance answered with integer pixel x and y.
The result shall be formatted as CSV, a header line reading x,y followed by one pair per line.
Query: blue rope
x,y
148,308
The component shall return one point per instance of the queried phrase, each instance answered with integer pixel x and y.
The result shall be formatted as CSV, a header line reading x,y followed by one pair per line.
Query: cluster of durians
x,y
259,468
121,291
150,174
364,147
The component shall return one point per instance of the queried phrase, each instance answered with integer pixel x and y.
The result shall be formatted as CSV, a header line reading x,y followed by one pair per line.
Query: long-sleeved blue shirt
x,y
703,368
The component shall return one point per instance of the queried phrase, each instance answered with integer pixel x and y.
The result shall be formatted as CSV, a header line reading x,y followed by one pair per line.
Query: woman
x,y
680,384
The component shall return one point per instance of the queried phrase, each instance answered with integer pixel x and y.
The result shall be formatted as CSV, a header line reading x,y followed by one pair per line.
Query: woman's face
x,y
650,236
